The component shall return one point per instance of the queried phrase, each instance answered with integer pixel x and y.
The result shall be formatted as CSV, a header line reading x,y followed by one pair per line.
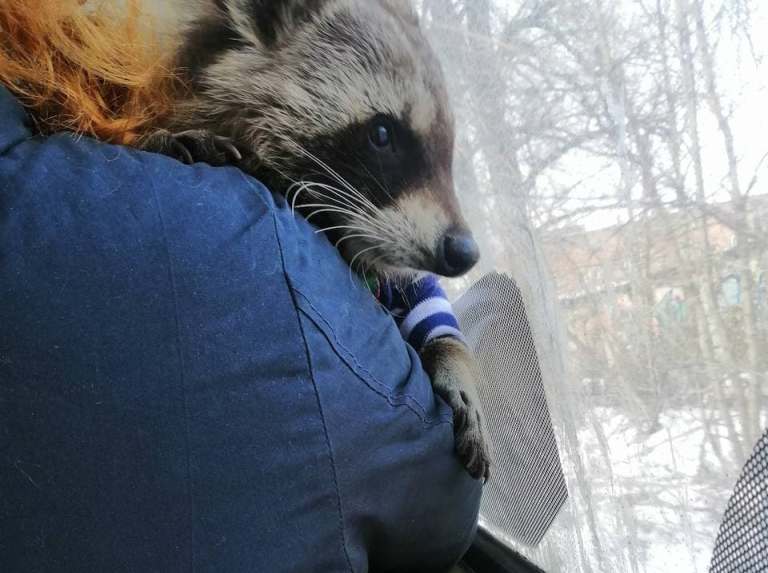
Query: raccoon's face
x,y
344,107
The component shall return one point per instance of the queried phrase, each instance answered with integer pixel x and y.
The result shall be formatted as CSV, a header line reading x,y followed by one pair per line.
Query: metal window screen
x,y
527,488
742,543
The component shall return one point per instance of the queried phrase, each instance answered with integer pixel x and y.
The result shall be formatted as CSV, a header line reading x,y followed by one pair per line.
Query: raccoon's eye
x,y
380,133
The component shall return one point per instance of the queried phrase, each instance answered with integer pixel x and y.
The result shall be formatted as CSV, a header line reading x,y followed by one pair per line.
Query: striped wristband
x,y
421,310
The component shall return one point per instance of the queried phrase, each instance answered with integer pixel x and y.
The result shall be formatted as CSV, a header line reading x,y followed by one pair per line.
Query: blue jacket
x,y
190,380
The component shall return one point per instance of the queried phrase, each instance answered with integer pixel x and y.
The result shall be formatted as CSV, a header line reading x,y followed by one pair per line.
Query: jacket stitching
x,y
363,374
334,471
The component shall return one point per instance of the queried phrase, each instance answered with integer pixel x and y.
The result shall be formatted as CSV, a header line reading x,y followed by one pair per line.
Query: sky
x,y
743,79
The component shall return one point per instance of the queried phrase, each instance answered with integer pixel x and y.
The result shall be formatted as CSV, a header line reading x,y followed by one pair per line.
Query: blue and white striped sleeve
x,y
422,312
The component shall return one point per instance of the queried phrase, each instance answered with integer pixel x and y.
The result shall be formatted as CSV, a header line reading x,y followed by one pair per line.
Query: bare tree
x,y
584,133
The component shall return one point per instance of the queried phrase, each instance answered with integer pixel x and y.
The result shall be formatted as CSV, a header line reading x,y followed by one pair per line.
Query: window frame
x,y
489,554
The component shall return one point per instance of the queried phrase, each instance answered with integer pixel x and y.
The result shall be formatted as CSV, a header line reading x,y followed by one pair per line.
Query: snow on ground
x,y
659,498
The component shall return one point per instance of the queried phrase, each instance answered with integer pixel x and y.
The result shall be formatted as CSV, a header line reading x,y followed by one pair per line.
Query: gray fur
x,y
323,66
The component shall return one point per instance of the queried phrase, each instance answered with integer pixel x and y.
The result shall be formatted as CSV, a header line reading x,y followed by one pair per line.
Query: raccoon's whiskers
x,y
300,186
332,172
296,189
341,228
363,236
346,201
358,255
349,196
339,197
371,223
328,169
383,274
364,201
365,228
376,180
326,208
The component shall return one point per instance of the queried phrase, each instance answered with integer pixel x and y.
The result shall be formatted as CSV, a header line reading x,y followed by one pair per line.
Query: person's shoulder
x,y
13,121
86,194
144,271
66,170
216,230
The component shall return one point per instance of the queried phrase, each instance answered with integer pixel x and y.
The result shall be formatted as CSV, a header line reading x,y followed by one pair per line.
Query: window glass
x,y
612,160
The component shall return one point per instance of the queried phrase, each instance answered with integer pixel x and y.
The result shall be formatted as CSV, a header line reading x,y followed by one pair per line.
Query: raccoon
x,y
341,106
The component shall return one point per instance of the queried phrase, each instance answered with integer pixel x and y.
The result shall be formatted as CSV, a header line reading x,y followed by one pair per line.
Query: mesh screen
x,y
527,487
742,543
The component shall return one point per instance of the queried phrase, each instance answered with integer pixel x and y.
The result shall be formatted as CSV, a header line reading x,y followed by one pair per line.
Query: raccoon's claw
x,y
180,152
468,431
194,146
451,368
207,147
230,148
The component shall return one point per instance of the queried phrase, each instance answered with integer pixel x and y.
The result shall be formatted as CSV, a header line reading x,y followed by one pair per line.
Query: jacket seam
x,y
310,368
365,375
182,374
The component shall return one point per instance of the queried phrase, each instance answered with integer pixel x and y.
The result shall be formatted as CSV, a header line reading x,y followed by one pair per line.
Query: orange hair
x,y
88,67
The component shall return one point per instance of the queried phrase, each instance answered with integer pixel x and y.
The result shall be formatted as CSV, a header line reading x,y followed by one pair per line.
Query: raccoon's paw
x,y
469,433
451,368
193,146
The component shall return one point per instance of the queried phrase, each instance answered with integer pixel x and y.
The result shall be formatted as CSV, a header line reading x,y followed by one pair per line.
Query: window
x,y
612,161
730,293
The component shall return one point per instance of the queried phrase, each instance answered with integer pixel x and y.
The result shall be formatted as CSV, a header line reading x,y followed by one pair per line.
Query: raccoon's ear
x,y
265,21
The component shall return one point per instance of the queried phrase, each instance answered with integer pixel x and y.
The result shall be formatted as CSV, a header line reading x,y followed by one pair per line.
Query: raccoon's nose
x,y
457,255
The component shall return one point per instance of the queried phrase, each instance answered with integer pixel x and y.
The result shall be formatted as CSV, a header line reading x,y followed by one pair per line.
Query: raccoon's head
x,y
344,107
